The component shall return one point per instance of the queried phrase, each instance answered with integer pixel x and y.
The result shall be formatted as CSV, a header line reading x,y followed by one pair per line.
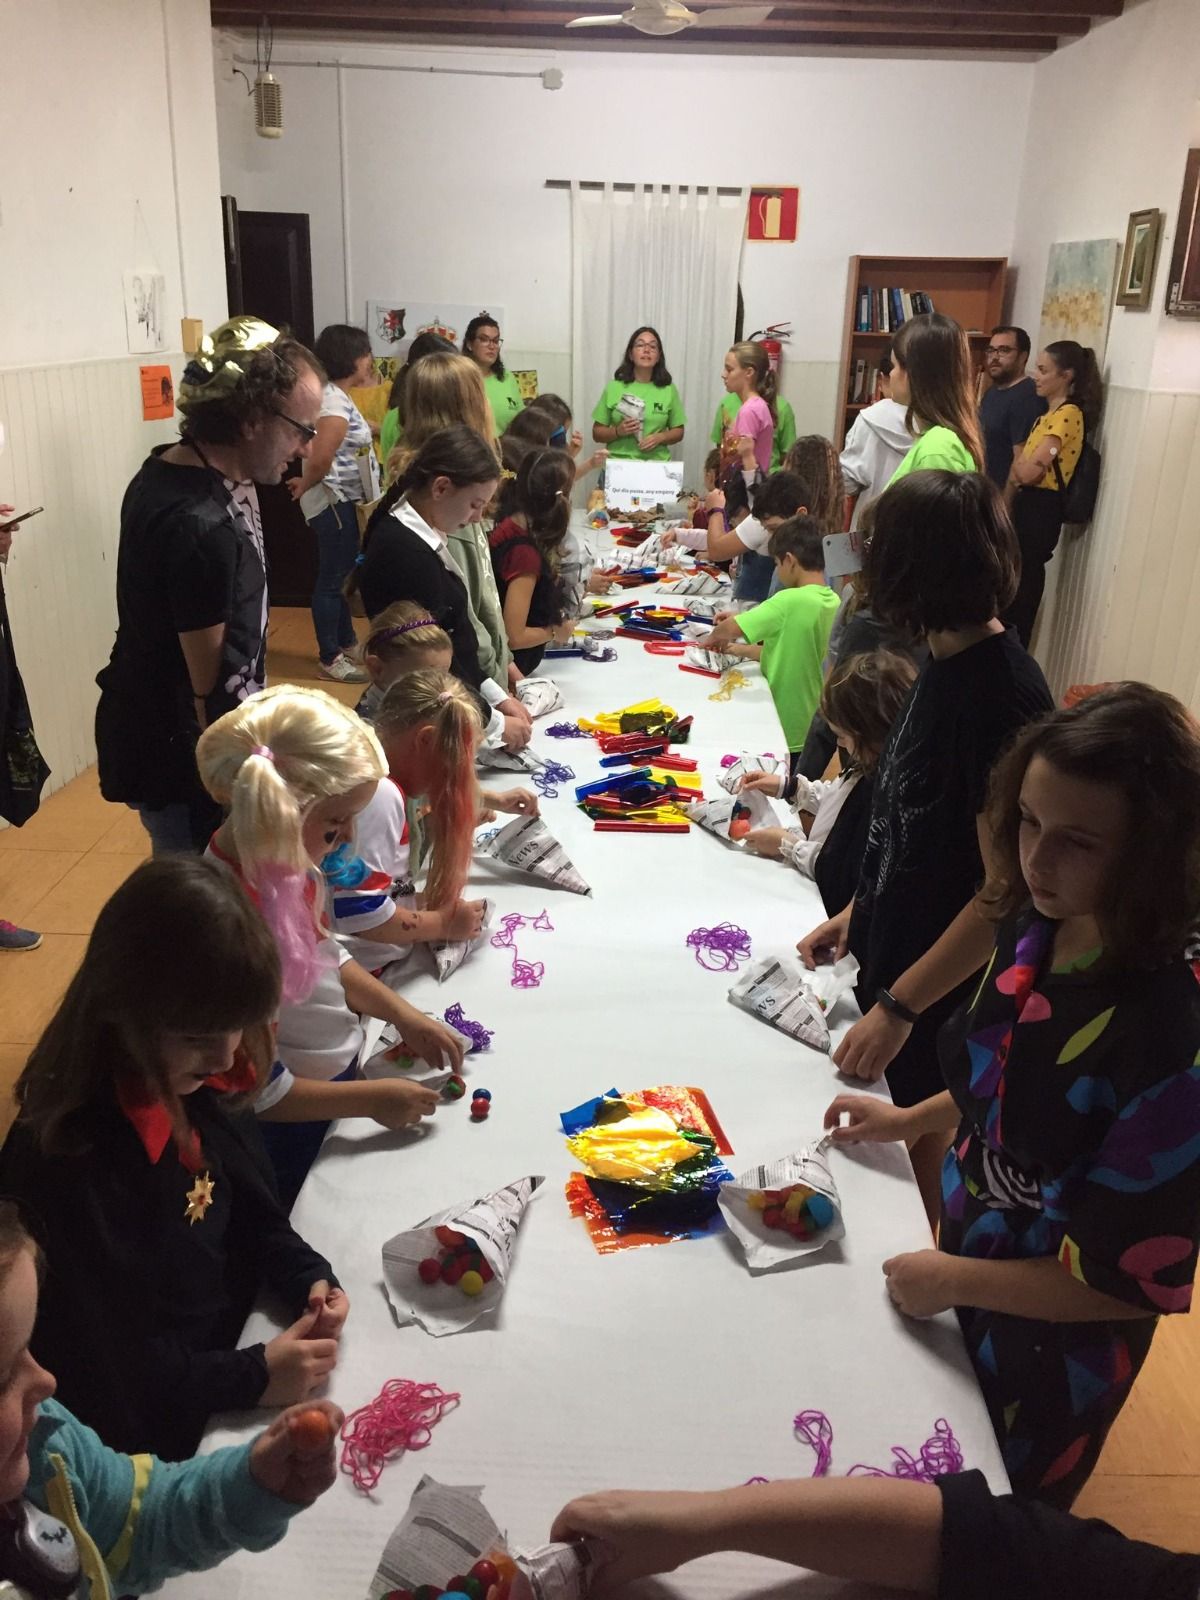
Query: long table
x,y
667,1366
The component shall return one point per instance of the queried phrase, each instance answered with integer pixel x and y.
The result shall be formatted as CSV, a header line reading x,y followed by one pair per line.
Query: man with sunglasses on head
x,y
1011,405
191,576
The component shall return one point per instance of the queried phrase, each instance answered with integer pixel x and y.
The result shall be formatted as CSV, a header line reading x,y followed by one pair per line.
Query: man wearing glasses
x,y
191,579
1011,405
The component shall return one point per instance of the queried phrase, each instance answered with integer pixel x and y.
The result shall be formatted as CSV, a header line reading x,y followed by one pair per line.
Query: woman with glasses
x,y
482,342
340,475
640,414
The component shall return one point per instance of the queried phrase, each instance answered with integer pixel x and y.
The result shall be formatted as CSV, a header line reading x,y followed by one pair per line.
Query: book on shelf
x,y
885,308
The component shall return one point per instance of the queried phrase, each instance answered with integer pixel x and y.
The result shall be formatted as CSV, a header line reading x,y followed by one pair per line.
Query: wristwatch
x,y
888,1001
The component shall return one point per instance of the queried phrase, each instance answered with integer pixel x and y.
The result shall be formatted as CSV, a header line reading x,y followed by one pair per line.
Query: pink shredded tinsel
x,y
283,900
938,1456
401,1417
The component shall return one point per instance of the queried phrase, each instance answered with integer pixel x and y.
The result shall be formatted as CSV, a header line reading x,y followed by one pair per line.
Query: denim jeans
x,y
170,829
336,529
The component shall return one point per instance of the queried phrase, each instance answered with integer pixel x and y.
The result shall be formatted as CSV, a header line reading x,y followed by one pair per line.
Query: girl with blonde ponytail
x,y
294,768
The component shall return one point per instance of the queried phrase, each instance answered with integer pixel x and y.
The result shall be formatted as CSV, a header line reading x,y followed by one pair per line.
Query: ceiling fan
x,y
660,17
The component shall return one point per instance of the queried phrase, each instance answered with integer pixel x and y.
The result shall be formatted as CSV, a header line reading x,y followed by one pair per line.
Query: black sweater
x,y
399,565
140,1309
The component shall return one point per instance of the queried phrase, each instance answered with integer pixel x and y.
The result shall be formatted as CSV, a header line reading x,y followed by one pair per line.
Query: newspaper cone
x,y
731,777
439,1308
710,660
501,760
539,696
793,1000
527,845
732,817
449,954
766,1248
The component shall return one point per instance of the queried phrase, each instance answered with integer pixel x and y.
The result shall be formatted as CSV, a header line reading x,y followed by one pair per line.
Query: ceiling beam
x,y
1033,14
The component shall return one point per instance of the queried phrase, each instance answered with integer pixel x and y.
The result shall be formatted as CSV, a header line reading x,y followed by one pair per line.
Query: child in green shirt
x,y
792,626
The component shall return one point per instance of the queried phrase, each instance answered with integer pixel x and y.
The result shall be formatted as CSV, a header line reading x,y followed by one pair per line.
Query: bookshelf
x,y
971,289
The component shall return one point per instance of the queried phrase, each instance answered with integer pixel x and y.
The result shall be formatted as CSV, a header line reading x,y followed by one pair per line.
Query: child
x,y
785,426
446,485
1071,1191
860,701
933,376
814,459
160,1225
699,502
122,1522
942,563
403,638
294,768
781,496
525,551
792,627
747,375
877,442
566,436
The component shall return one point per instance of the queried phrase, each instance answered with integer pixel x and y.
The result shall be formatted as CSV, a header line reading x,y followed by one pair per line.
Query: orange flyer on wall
x,y
158,394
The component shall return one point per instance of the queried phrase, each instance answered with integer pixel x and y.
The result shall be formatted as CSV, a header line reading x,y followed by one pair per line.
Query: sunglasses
x,y
302,428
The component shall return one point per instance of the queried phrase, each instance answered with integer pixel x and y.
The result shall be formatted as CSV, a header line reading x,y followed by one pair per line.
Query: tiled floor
x,y
56,873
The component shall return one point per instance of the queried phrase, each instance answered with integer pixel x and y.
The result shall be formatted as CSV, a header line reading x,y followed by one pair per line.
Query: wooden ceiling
x,y
1002,27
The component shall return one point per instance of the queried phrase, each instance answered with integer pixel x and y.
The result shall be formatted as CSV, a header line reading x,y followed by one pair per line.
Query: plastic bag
x,y
795,1001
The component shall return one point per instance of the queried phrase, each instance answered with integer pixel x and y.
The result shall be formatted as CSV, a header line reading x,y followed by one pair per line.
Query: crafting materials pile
x,y
652,1168
648,796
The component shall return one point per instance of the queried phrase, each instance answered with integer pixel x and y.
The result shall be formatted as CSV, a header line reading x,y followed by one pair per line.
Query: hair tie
x,y
507,476
385,634
265,751
446,694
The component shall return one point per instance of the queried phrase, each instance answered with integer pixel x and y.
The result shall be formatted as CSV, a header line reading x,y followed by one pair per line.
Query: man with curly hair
x,y
191,578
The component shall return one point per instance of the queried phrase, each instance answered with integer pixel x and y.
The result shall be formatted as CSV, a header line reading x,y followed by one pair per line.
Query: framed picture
x,y
1140,259
1183,280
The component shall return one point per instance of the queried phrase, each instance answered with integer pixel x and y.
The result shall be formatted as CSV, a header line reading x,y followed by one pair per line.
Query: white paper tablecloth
x,y
652,1368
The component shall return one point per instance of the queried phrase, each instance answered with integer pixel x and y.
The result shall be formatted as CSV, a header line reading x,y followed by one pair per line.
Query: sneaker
x,y
14,938
342,670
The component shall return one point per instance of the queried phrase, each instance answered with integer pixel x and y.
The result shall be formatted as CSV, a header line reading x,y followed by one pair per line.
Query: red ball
x,y
486,1572
450,1237
452,1270
773,1217
480,1109
430,1270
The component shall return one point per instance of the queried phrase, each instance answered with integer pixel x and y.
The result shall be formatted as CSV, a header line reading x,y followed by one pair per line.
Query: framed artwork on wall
x,y
1139,260
1081,275
1183,280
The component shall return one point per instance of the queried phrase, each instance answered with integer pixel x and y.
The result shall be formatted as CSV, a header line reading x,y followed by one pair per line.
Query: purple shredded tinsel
x,y
525,974
725,946
567,730
546,779
479,1036
938,1456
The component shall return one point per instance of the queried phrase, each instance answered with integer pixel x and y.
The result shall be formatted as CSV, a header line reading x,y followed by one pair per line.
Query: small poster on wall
x,y
394,324
145,311
1081,279
158,394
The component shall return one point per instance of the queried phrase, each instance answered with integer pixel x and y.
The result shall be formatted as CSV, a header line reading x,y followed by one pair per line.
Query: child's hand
x,y
397,1105
919,1282
432,1041
827,942
332,1307
575,442
714,500
297,1363
464,919
292,1460
599,583
766,842
563,633
515,707
513,802
516,733
871,1045
634,1534
872,1120
765,782
669,539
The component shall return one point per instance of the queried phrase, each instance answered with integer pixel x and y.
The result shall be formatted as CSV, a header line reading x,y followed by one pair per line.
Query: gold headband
x,y
219,366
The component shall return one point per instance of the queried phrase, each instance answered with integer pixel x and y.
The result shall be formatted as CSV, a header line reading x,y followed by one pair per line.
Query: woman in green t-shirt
x,y
482,343
932,376
640,414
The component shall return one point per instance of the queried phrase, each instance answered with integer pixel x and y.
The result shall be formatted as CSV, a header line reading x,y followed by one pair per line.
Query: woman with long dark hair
x,y
933,378
640,415
482,342
526,556
1068,380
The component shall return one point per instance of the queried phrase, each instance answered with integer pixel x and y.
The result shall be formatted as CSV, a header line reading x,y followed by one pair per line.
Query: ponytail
x,y
543,493
1087,390
753,355
438,701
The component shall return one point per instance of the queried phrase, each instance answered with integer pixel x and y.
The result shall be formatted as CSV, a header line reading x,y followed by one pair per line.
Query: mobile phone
x,y
24,517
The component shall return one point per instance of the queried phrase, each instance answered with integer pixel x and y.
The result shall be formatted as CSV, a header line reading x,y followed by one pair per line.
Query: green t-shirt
x,y
664,409
504,397
389,434
793,627
785,426
937,449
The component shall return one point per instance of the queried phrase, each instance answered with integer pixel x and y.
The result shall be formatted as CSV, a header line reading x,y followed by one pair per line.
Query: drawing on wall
x,y
394,324
1081,278
1139,259
145,307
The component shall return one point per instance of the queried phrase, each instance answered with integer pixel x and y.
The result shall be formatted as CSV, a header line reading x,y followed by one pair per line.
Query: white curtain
x,y
669,258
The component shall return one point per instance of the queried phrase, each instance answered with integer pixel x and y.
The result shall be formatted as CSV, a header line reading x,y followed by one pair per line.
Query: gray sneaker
x,y
14,938
342,670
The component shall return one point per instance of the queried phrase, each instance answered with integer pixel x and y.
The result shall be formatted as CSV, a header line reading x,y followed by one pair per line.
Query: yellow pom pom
x,y
471,1283
757,1201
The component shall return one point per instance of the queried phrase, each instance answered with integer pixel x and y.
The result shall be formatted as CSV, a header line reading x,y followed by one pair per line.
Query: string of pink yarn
x,y
938,1456
401,1417
525,974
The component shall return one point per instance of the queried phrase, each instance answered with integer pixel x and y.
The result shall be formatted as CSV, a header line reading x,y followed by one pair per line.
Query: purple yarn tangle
x,y
720,949
479,1036
938,1456
567,730
548,777
525,974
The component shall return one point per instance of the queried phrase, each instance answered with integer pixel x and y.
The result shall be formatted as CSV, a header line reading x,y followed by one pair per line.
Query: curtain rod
x,y
631,188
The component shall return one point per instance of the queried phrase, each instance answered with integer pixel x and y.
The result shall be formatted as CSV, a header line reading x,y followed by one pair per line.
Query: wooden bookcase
x,y
971,289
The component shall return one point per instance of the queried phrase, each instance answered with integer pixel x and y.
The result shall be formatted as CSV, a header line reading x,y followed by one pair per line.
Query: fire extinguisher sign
x,y
773,214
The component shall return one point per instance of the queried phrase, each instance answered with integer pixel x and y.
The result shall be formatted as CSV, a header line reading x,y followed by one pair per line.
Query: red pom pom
x,y
486,1572
430,1270
773,1217
452,1271
450,1237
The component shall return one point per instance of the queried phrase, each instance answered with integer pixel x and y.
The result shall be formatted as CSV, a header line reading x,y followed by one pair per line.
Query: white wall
x,y
447,200
1111,120
95,95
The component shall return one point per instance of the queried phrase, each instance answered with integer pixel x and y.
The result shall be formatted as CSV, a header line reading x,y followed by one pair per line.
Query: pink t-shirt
x,y
754,421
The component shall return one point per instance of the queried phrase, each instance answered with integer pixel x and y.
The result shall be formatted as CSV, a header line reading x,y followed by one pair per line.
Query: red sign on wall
x,y
773,215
